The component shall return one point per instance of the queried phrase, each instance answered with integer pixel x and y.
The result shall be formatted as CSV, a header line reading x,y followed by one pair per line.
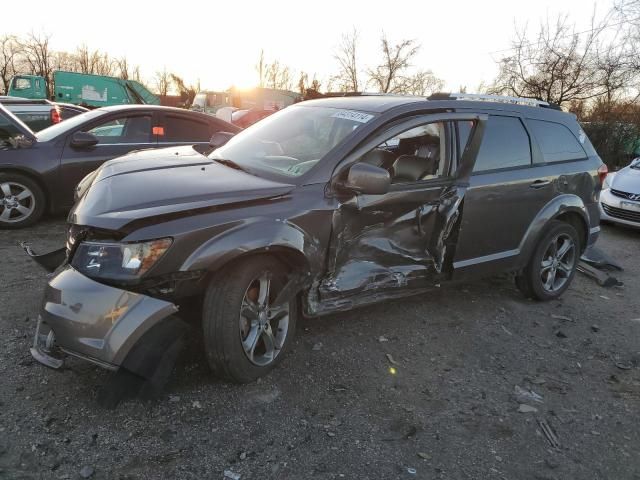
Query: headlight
x,y
118,261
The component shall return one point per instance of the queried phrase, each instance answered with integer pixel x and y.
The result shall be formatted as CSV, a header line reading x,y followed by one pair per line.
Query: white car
x,y
620,196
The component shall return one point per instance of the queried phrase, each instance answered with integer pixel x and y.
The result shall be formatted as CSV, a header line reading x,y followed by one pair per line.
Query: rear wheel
x,y
553,264
21,201
248,321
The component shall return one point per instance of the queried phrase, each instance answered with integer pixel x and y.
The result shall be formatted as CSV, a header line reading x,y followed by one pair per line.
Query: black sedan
x,y
39,171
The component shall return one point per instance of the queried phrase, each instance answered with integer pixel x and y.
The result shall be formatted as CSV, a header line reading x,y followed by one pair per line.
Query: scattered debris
x,y
523,395
561,334
87,471
382,338
243,455
174,398
391,360
424,456
624,366
602,278
411,471
196,404
597,258
524,408
562,317
232,475
595,328
549,433
604,297
506,331
551,463
317,346
331,434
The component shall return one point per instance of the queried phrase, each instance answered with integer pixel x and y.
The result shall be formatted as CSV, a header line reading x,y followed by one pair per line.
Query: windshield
x,y
54,130
290,142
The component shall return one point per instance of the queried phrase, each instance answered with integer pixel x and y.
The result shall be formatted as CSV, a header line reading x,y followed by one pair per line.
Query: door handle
x,y
540,183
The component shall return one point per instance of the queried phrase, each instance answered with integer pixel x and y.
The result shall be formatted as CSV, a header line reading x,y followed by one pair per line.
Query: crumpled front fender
x,y
95,321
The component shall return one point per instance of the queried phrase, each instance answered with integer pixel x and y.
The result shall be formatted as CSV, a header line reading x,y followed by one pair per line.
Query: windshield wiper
x,y
231,164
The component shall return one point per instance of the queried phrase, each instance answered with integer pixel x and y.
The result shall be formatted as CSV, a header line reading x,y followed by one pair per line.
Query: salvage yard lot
x,y
333,409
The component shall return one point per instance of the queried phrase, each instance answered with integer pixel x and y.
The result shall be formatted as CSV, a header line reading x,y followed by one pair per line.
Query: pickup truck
x,y
40,114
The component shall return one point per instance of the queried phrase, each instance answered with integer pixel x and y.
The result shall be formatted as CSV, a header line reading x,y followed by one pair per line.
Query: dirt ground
x,y
334,409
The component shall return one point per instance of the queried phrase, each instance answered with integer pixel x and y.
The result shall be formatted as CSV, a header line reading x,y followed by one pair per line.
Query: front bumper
x,y
619,210
96,322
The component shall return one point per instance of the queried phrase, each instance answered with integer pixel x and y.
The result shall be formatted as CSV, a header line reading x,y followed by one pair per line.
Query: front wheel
x,y
553,264
21,201
248,320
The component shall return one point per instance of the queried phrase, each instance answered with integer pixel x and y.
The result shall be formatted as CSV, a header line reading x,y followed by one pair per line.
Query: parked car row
x,y
323,206
39,171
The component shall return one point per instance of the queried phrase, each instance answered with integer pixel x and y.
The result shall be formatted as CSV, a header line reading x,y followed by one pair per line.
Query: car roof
x,y
8,100
374,103
117,108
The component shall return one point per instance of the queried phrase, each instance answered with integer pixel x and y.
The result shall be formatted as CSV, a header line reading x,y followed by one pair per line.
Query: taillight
x,y
55,116
603,171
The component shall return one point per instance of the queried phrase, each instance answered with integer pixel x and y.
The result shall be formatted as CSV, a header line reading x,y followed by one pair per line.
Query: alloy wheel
x,y
264,321
558,262
17,202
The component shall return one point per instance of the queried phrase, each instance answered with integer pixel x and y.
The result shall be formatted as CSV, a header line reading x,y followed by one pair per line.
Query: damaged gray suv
x,y
324,206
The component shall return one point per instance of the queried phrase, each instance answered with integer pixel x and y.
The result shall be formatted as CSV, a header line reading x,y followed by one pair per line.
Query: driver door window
x,y
417,154
123,130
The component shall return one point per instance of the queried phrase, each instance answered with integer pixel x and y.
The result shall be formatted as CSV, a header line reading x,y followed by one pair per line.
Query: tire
x,y
22,201
228,335
549,281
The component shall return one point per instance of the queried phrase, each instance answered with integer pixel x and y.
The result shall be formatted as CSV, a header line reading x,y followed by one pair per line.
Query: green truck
x,y
83,89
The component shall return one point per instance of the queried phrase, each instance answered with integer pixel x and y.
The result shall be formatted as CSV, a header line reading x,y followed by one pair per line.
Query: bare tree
x,y
122,66
38,57
187,93
94,62
304,84
162,82
560,65
10,52
261,68
390,76
423,83
347,78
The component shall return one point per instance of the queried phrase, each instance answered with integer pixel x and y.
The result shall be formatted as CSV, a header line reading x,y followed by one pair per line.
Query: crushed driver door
x,y
389,245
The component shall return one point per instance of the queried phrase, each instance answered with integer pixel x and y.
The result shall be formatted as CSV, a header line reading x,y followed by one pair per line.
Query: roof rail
x,y
532,102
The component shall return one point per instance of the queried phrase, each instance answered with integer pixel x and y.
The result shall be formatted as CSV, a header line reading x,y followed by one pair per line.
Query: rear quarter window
x,y
505,145
180,129
556,141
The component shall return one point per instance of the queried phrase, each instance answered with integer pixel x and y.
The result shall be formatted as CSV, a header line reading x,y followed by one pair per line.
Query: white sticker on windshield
x,y
353,116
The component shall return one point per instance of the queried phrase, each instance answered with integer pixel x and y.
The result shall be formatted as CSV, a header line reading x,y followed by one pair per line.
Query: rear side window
x,y
505,144
179,129
556,141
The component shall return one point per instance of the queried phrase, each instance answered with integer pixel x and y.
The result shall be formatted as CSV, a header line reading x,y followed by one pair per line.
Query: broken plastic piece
x,y
597,258
49,261
602,278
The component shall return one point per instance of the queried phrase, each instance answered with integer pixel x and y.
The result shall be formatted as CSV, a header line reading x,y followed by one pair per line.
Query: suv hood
x,y
174,181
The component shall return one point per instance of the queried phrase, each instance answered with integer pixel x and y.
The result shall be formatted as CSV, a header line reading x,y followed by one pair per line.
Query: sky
x,y
219,43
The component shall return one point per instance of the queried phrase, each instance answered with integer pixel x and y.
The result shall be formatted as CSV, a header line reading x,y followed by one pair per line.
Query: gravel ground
x,y
334,408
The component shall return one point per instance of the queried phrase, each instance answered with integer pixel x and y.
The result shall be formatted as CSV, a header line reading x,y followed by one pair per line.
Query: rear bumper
x,y
96,322
618,210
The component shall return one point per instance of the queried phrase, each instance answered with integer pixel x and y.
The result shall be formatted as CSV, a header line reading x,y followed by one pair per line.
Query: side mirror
x,y
83,140
368,179
220,138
